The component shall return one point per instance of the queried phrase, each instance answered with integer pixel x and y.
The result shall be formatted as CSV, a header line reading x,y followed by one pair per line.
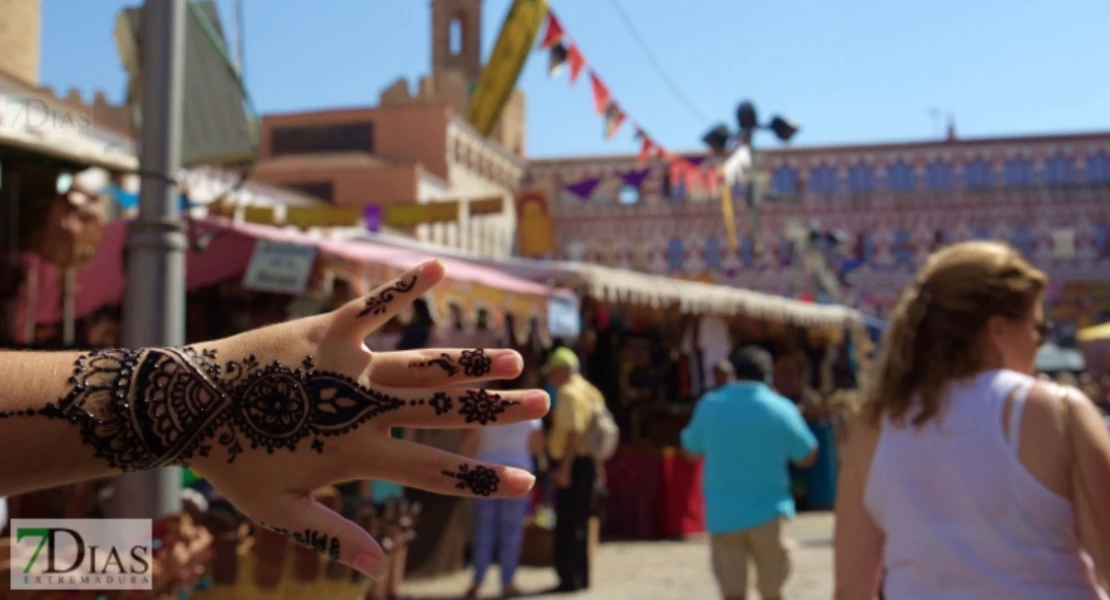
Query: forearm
x,y
571,450
69,416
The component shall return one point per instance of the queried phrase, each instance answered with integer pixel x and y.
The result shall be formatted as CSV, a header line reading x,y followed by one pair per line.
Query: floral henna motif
x,y
481,481
475,363
141,409
441,403
377,304
483,407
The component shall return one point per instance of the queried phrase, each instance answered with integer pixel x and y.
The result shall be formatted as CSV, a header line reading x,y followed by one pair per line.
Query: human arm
x,y
801,445
1090,475
691,436
857,539
266,416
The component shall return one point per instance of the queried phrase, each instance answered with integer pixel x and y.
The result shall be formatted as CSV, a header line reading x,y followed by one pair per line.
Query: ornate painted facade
x,y
1047,196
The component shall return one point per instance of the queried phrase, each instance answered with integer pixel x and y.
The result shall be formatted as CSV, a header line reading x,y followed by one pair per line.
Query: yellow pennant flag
x,y
502,70
728,214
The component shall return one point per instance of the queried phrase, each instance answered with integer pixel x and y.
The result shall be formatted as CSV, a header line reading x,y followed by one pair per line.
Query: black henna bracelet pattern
x,y
143,409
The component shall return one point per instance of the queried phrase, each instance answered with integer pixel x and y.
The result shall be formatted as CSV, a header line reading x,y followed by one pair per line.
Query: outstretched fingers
x,y
438,367
441,472
453,407
307,522
359,318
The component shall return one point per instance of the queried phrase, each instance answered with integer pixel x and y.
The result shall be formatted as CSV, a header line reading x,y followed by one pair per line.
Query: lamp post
x,y
721,140
157,241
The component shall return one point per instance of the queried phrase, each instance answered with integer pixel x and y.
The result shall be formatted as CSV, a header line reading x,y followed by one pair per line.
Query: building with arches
x,y
1048,196
415,147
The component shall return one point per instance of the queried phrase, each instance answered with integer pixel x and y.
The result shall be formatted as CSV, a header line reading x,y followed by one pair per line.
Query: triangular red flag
x,y
614,117
601,94
554,33
576,61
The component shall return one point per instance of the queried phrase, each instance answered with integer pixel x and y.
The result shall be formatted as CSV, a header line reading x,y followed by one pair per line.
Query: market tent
x,y
227,256
1095,333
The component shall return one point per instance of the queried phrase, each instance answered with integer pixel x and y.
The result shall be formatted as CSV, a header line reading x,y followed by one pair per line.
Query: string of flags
x,y
564,54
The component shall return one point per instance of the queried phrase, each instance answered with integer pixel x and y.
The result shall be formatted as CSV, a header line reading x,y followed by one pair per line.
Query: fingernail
x,y
431,267
509,361
520,480
370,565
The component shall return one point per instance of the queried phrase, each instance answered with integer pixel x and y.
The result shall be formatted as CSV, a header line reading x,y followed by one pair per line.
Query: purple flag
x,y
583,189
372,213
635,178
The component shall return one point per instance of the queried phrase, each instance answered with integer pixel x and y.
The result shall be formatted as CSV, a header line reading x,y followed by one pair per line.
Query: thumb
x,y
312,525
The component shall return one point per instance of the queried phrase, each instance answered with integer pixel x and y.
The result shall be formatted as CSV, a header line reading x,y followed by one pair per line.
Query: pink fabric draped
x,y
226,257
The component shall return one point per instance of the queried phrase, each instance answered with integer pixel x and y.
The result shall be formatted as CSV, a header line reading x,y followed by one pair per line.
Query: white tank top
x,y
963,518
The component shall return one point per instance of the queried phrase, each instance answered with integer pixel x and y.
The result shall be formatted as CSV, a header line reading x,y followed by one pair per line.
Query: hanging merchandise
x,y
562,50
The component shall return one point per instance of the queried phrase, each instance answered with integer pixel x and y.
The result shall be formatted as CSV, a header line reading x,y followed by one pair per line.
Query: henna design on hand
x,y
377,304
311,539
142,409
472,363
475,363
443,361
481,481
483,407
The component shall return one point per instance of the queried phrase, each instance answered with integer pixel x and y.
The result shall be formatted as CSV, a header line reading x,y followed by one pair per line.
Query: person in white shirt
x,y
499,523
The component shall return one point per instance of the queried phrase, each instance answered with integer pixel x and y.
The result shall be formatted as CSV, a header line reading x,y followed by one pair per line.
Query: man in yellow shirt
x,y
575,470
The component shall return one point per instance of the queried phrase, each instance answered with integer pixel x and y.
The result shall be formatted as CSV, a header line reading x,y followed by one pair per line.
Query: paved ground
x,y
662,570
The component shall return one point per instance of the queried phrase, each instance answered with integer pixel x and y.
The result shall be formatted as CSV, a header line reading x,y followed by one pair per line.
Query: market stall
x,y
650,344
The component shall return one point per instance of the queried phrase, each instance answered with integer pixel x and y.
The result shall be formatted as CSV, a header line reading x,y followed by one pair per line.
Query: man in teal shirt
x,y
748,434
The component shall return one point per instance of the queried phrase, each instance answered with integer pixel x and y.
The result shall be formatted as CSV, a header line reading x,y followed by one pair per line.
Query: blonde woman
x,y
966,477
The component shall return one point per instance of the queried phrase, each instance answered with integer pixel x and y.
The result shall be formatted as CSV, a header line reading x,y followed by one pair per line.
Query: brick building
x,y
414,148
1048,196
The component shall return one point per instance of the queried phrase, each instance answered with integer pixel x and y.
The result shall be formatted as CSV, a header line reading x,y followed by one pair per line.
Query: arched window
x,y
713,253
903,247
900,177
785,182
1020,173
822,180
861,179
746,252
628,195
1059,171
1023,241
1097,170
939,176
978,174
676,254
455,36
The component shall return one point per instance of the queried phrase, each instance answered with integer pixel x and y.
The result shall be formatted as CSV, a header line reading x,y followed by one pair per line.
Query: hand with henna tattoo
x,y
268,416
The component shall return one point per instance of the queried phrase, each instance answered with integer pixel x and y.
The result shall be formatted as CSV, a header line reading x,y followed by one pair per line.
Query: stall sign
x,y
404,216
304,217
486,206
279,267
263,215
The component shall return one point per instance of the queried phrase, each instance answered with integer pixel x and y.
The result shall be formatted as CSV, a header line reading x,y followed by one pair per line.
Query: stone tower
x,y
20,37
456,38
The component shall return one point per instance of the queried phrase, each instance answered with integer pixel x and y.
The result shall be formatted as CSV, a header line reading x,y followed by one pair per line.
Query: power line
x,y
646,49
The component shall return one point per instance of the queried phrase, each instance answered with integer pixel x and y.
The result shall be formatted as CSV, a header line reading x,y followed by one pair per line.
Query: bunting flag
x,y
602,97
563,52
614,118
556,60
554,33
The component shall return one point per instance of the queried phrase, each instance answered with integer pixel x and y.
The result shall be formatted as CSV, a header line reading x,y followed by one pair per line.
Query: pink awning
x,y
226,257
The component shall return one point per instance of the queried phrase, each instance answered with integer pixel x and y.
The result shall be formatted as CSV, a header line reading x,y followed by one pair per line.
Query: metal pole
x,y
155,300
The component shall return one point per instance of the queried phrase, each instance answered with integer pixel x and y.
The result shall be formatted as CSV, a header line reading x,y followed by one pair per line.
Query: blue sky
x,y
848,71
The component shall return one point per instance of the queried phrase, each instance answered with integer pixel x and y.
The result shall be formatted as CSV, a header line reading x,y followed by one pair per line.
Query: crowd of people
x,y
963,473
